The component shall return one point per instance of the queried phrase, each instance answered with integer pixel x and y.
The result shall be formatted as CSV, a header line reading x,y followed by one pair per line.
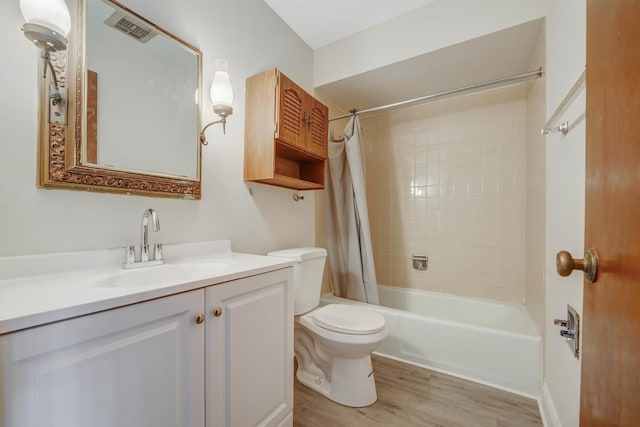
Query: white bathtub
x,y
484,341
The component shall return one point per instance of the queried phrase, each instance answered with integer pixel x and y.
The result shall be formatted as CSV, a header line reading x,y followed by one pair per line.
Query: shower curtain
x,y
348,236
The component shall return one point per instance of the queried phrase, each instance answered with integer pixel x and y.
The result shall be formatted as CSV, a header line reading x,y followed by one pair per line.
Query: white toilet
x,y
332,344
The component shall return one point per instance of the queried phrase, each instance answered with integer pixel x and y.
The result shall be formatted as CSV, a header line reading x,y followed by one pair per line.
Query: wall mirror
x,y
132,109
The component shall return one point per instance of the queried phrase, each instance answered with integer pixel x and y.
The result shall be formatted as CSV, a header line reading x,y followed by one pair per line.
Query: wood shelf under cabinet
x,y
286,132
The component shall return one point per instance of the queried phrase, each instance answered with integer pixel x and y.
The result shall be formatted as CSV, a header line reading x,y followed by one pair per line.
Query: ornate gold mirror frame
x,y
60,151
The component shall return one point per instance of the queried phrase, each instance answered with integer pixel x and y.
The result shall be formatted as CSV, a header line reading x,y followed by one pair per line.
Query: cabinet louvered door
x,y
291,118
317,129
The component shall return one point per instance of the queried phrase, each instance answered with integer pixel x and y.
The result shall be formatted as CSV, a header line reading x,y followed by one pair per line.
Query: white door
x,y
140,365
249,362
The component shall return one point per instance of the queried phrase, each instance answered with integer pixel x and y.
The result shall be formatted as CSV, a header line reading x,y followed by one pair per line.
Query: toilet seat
x,y
348,319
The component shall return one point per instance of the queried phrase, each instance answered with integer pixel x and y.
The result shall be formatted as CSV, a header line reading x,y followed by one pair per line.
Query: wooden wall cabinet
x,y
286,132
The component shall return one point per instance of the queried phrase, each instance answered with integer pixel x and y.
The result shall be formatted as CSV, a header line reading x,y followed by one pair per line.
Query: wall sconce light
x,y
221,96
47,26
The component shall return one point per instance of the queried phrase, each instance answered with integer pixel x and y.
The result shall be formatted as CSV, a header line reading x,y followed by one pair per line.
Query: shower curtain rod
x,y
508,79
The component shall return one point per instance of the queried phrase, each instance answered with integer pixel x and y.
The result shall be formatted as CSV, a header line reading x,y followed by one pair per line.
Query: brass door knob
x,y
199,318
565,264
217,311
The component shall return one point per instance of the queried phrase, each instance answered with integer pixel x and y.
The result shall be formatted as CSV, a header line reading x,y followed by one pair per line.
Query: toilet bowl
x,y
333,343
337,364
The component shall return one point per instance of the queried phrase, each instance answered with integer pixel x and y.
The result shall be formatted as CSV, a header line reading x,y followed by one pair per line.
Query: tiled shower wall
x,y
536,191
448,180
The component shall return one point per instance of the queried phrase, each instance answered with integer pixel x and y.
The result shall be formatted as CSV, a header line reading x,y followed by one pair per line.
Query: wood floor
x,y
412,396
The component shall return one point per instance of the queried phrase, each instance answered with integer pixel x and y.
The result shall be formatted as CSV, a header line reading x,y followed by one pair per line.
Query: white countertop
x,y
39,289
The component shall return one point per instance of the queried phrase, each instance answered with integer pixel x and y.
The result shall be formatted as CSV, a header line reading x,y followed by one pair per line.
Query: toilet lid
x,y
348,319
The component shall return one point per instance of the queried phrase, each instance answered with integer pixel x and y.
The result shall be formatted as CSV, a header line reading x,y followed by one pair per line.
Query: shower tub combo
x,y
488,342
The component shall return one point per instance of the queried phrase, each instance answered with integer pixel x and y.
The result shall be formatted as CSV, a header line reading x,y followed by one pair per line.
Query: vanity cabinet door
x,y
249,354
141,365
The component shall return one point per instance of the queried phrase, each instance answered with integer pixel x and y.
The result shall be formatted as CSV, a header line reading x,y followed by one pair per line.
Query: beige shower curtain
x,y
348,235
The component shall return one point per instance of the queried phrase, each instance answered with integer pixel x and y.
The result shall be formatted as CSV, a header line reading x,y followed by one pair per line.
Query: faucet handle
x,y
157,250
130,254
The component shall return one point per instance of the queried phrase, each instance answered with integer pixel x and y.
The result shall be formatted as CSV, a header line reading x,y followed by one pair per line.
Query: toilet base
x,y
352,382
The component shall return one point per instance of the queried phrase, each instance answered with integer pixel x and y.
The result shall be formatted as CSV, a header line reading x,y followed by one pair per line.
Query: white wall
x,y
566,57
436,25
246,33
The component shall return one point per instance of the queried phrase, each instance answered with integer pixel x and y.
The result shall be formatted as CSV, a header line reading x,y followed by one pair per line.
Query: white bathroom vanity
x,y
204,340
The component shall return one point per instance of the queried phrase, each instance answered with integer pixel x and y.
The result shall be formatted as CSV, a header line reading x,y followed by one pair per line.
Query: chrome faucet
x,y
144,246
147,257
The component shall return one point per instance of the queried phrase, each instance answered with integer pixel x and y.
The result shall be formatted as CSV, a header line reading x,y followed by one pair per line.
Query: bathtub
x,y
484,341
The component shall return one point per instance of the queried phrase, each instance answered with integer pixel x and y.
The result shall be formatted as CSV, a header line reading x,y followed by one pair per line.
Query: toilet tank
x,y
307,275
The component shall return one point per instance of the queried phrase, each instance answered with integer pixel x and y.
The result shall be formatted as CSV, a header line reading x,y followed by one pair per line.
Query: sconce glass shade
x,y
47,23
52,14
221,90
221,96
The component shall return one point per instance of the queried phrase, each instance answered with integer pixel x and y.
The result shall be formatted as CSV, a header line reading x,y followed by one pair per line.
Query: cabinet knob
x,y
217,311
199,318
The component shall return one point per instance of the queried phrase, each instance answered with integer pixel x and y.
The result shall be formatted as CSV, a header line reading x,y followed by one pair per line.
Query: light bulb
x,y
52,14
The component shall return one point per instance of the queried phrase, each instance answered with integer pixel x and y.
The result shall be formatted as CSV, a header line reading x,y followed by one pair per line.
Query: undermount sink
x,y
163,274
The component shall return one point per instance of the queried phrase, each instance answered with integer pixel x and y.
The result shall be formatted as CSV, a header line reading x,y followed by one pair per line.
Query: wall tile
x,y
451,183
535,207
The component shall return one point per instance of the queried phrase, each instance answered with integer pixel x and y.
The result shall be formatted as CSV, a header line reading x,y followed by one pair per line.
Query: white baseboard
x,y
548,411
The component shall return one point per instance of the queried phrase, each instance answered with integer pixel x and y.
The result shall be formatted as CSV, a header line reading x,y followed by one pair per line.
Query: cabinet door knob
x,y
217,311
200,318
